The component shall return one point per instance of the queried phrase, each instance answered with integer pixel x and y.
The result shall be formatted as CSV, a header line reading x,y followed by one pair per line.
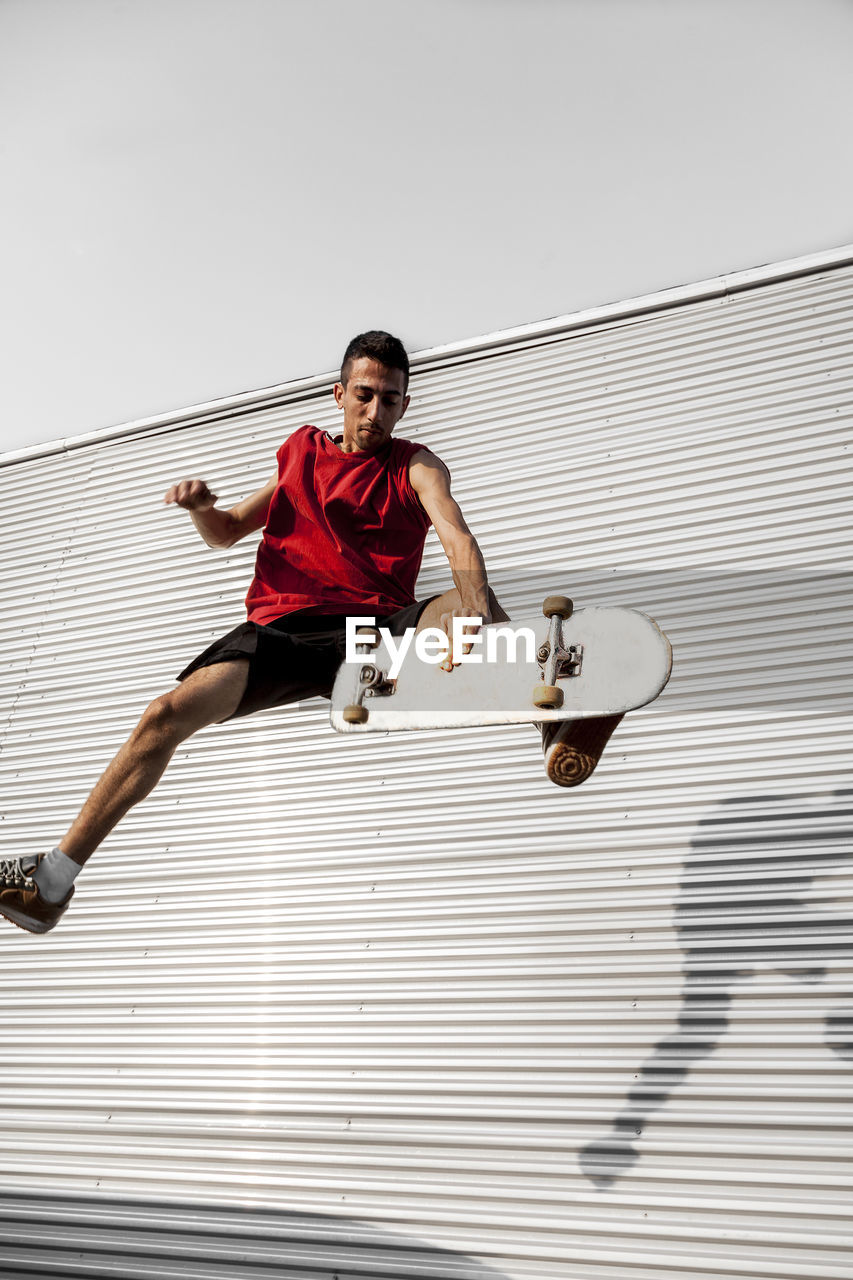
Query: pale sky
x,y
206,197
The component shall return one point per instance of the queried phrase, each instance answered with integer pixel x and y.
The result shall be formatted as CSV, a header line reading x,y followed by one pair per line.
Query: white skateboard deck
x,y
616,660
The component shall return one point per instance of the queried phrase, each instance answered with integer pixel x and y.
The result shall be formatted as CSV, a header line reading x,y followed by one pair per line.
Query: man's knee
x,y
163,720
208,695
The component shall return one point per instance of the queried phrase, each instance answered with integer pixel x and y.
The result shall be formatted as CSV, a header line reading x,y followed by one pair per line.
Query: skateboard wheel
x,y
368,636
561,605
355,714
548,696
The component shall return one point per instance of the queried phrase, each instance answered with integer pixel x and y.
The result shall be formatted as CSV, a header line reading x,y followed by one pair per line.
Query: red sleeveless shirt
x,y
345,531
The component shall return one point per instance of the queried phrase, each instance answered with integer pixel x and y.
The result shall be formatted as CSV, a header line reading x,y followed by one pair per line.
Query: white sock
x,y
55,874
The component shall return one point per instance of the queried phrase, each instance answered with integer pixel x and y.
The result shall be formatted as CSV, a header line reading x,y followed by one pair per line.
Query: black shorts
x,y
294,657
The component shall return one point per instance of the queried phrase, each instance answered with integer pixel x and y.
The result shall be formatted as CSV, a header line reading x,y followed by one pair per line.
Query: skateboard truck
x,y
555,658
371,681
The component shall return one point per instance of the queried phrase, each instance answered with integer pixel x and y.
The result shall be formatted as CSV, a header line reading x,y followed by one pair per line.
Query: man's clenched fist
x,y
192,495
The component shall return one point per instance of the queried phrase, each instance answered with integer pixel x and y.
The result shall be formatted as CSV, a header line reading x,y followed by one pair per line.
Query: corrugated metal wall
x,y
398,1007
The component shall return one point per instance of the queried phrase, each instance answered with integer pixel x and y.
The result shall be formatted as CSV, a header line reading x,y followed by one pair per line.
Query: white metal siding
x,y
396,1006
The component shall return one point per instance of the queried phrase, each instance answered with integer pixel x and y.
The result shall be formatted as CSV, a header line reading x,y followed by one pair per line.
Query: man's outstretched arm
x,y
431,481
222,528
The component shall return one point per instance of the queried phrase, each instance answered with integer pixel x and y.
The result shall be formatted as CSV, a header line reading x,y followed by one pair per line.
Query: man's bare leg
x,y
34,893
207,696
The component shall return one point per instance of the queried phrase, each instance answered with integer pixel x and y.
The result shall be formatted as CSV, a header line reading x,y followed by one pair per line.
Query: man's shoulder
x,y
413,450
302,435
423,466
423,456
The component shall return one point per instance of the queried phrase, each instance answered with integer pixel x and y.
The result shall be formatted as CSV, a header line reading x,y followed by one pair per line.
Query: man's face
x,y
373,401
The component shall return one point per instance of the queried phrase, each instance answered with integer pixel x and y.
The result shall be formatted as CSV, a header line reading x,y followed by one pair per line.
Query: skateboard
x,y
561,665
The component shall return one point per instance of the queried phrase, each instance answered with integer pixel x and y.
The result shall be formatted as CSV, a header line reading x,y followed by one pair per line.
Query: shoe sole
x,y
568,767
574,756
27,923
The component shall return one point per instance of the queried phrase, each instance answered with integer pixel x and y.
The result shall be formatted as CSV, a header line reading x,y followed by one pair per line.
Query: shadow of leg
x,y
702,1021
839,1034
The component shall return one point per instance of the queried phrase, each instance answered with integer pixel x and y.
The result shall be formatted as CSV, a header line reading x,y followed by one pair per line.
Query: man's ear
x,y
339,394
405,405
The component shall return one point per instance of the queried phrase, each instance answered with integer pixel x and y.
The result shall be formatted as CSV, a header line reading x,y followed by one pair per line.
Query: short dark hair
x,y
377,345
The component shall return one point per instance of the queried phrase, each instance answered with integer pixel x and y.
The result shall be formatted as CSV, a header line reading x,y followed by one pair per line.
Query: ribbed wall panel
x,y
397,1007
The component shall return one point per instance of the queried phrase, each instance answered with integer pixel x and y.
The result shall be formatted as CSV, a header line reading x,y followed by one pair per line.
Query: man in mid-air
x,y
344,523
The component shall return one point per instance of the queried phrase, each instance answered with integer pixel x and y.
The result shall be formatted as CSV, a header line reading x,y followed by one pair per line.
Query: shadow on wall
x,y
741,909
53,1236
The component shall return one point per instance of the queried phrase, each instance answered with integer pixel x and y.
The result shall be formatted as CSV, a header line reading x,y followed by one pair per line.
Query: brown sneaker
x,y
22,903
573,747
